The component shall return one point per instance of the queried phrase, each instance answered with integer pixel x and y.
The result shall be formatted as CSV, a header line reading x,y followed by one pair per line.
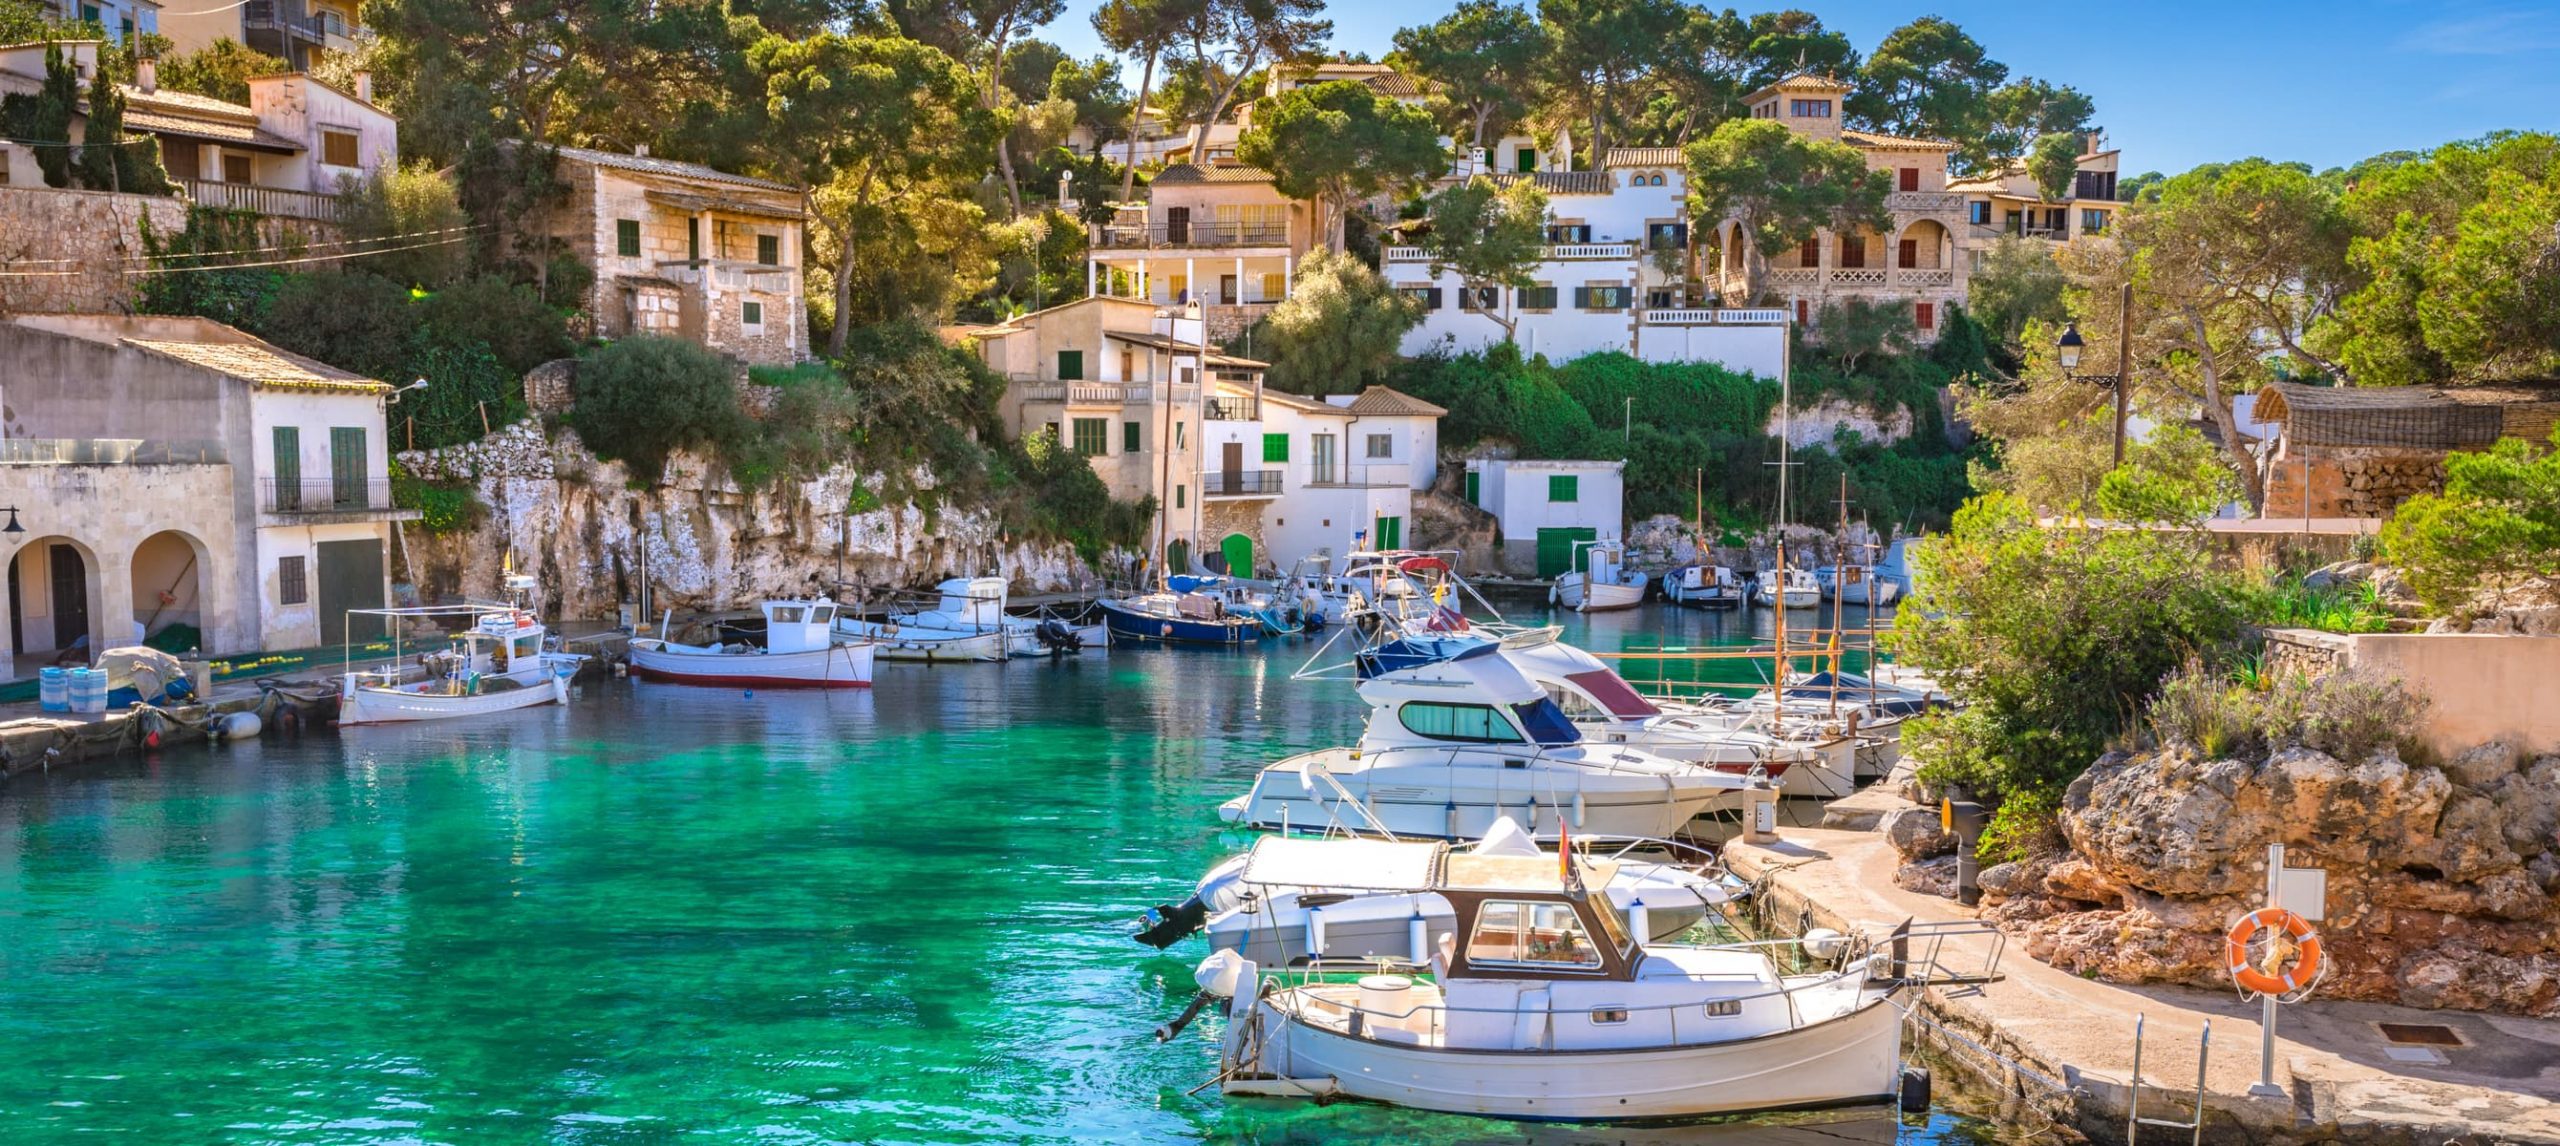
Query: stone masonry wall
x,y
2351,482
97,231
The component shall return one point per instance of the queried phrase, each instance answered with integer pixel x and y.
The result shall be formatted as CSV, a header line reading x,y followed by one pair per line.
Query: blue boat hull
x,y
1131,625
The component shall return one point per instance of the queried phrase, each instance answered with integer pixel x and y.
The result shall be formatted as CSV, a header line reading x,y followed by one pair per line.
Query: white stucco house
x,y
1289,477
1542,507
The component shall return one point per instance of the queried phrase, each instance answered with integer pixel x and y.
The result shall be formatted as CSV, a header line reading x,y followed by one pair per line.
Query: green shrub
x,y
195,272
349,319
2227,715
641,399
2287,603
469,392
443,506
2496,525
520,329
406,213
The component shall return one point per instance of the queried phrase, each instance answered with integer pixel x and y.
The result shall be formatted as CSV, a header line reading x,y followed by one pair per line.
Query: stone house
x,y
1913,263
1218,234
177,471
2008,202
685,250
2360,451
286,153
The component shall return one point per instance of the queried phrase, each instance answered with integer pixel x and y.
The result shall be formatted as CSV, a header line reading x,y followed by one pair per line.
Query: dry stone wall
x,y
70,249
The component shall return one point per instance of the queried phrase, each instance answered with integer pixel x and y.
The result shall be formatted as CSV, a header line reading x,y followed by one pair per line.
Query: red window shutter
x,y
1804,313
1853,250
1810,254
1928,316
1910,253
1910,178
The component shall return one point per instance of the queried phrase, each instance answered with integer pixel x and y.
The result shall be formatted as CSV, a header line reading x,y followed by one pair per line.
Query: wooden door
x,y
1227,287
1910,253
1177,225
70,596
350,578
1231,464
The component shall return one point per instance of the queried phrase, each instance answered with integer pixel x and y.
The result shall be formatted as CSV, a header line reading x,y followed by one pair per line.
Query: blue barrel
x,y
53,690
88,690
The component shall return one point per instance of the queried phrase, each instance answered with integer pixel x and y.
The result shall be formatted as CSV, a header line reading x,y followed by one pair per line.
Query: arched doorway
x,y
1925,245
168,588
53,583
1237,550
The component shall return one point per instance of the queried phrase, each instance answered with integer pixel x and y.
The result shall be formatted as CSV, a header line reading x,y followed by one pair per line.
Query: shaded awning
x,y
728,205
1349,864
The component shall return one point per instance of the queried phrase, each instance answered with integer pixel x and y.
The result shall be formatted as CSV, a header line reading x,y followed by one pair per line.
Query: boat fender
x,y
238,726
1577,809
1823,943
1315,933
1640,921
1166,924
1915,1090
1417,938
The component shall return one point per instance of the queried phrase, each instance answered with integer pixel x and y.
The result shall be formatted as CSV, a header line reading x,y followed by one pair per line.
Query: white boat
x,y
1704,586
498,663
1543,1006
967,623
1453,745
801,650
1795,586
1278,904
1599,580
1855,585
1608,710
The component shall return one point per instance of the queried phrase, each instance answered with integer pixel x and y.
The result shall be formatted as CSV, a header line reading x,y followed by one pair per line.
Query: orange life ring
x,y
2306,963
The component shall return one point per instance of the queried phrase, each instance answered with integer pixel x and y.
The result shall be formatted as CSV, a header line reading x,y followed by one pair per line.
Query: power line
x,y
294,262
306,246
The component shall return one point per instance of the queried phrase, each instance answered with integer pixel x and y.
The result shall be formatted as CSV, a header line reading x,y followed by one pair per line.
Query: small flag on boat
x,y
1564,854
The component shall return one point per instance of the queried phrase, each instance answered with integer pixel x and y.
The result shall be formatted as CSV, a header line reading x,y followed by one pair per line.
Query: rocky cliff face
x,y
1663,541
2442,880
1815,425
577,524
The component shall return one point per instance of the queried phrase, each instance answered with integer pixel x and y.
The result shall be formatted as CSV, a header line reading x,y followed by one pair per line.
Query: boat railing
x,y
1355,1019
1918,953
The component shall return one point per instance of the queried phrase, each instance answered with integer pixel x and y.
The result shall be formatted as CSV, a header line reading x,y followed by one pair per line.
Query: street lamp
x,y
13,529
2067,351
394,399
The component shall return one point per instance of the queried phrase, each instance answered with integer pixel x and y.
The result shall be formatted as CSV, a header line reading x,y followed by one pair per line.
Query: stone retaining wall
x,y
97,231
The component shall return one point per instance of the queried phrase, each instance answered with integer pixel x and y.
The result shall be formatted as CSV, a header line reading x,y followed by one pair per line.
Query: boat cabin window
x,y
787,614
822,615
525,646
1612,692
1471,723
1547,724
1545,936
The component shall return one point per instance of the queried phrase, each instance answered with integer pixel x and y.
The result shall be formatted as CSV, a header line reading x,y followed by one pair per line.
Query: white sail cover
x,y
1343,864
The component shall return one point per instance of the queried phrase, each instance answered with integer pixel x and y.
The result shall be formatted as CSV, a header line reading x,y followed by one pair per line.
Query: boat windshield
x,y
1543,936
1546,723
1613,693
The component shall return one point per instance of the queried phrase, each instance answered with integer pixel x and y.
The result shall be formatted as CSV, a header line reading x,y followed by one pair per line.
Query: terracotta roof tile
x,y
1181,173
1381,401
1644,157
1893,142
1559,182
652,165
261,364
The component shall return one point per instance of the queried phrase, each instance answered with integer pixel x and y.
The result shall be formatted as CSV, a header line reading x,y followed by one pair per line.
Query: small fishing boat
x,y
967,623
801,650
1704,586
502,660
1177,619
1453,745
1796,587
1542,1004
1855,585
1277,904
1599,580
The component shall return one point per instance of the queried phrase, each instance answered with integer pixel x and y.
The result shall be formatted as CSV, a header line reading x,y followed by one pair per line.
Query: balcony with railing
x,y
1158,234
1231,410
1553,253
341,497
1715,316
285,17
1097,393
279,202
111,452
1924,202
1240,483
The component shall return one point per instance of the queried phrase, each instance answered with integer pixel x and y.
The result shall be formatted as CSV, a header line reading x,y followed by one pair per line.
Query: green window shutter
x,y
769,250
1275,447
1071,366
1177,497
347,476
1093,436
626,237
1128,437
1564,487
1475,488
288,467
752,313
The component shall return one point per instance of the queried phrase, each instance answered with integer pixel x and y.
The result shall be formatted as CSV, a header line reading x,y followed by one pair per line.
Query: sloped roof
x,y
1181,173
207,128
2438,417
1893,142
1643,157
1384,402
652,165
1303,404
1209,354
261,365
1558,182
1801,81
1395,84
684,202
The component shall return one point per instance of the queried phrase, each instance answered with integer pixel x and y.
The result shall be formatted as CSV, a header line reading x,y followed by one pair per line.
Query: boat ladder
x,y
2133,1119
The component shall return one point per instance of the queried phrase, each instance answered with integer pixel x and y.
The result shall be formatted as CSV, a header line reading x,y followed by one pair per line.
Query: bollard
x,y
1966,819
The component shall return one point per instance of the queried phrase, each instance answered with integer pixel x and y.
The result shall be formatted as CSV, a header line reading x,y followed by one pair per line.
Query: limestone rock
x,y
2483,765
1928,877
1915,833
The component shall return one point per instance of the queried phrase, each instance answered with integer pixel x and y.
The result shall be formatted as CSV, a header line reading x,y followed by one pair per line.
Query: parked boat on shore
x,y
1543,1005
801,650
1599,580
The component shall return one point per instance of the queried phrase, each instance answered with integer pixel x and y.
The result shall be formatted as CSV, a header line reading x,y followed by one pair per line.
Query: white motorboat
x,y
801,650
1704,586
1794,586
1454,744
498,663
1542,1005
967,623
1599,580
1250,903
1855,585
1608,710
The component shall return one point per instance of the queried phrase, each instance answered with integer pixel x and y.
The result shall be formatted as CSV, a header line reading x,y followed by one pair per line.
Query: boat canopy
x,y
972,602
1540,874
799,626
1346,864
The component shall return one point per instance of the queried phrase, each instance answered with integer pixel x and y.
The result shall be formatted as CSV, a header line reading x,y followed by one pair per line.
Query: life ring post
x,y
2275,980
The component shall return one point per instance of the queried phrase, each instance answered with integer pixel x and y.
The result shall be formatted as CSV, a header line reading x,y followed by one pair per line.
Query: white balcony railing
x,y
1098,393
1794,276
1924,202
1924,277
1407,255
1858,276
1561,251
1715,316
275,201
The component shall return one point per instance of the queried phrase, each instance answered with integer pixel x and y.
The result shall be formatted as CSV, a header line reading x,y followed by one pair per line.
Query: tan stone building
x,y
299,32
1914,262
2359,451
1118,381
2009,203
1220,235
689,251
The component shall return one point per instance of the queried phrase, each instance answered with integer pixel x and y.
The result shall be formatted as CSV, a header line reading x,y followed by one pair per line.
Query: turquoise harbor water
x,y
666,914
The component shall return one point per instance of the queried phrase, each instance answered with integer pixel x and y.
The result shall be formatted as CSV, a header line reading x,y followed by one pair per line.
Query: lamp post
x,y
2067,349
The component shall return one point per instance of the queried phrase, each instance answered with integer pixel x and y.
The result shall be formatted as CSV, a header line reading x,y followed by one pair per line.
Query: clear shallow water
x,y
668,914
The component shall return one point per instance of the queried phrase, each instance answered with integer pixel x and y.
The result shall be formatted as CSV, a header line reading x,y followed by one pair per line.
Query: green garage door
x,y
1555,548
350,578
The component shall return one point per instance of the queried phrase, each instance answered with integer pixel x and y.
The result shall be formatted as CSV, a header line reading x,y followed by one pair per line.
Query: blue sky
x,y
2178,84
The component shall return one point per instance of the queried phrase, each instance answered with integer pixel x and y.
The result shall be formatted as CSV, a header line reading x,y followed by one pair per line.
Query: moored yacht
x,y
1794,588
967,623
1453,745
1704,587
801,650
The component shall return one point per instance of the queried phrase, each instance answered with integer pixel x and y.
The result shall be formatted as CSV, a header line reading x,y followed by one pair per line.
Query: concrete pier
x,y
2052,1041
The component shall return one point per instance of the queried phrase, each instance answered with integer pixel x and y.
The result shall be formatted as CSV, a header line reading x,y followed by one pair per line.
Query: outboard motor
x,y
1166,924
1057,636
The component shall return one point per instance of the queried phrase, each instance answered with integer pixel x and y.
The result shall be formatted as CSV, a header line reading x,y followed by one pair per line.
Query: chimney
x,y
641,151
146,74
364,86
